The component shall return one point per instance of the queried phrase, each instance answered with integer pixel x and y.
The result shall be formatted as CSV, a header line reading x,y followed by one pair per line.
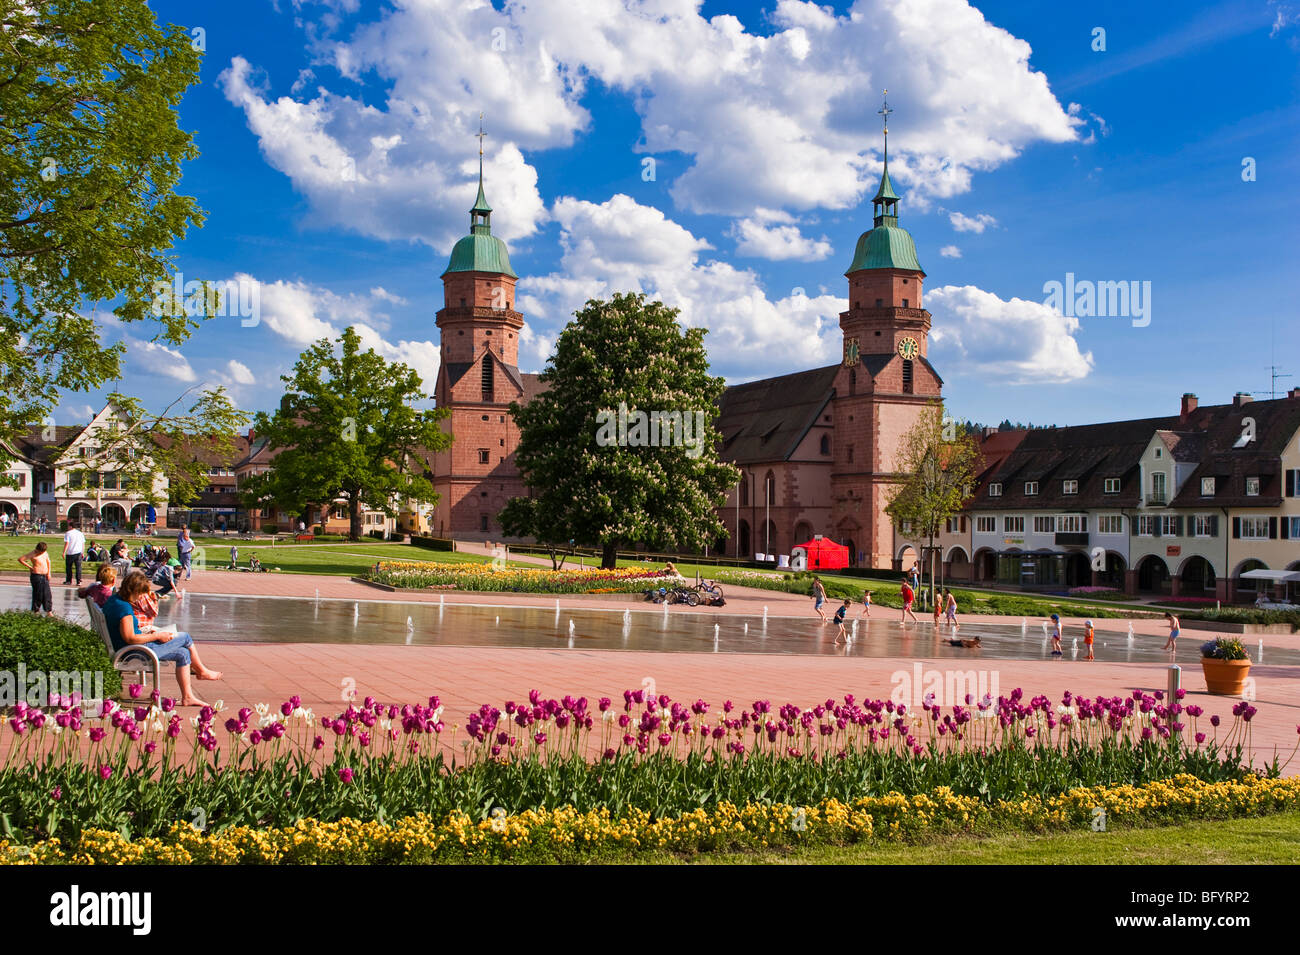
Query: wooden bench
x,y
138,659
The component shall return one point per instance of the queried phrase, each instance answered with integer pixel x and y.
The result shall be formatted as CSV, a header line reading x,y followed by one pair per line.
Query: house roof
x,y
1275,422
1091,453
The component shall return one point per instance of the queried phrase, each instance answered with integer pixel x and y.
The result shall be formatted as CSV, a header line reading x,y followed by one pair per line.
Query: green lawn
x,y
342,559
1264,840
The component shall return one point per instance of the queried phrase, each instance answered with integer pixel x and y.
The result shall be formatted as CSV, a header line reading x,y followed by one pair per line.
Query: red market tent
x,y
825,554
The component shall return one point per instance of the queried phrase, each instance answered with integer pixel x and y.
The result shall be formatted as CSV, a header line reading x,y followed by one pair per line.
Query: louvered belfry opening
x,y
907,376
488,379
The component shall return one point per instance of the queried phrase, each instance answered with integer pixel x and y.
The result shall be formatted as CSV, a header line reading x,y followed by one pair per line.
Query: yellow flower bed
x,y
566,833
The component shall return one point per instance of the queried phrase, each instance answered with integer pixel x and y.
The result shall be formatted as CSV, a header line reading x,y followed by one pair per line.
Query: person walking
x,y
74,548
38,563
1056,635
819,598
866,603
908,595
1089,635
184,550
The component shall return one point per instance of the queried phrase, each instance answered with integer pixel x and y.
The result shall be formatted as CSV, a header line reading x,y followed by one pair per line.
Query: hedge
x,y
50,645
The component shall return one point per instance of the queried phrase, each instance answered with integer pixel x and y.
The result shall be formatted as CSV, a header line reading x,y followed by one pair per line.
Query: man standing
x,y
184,550
74,547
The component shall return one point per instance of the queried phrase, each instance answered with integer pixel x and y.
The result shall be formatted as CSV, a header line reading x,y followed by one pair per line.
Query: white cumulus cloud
x,y
622,246
950,252
977,223
773,235
779,112
1022,342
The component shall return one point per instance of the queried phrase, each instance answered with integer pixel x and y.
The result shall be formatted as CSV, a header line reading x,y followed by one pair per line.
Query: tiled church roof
x,y
765,420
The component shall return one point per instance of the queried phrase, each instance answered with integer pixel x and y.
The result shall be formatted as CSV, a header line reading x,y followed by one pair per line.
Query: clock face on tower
x,y
908,348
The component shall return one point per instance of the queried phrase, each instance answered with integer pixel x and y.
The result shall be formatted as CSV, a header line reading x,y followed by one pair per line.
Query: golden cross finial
x,y
885,111
481,134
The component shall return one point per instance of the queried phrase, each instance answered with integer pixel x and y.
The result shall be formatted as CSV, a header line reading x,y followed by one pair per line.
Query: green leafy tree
x,y
90,158
588,485
940,459
346,429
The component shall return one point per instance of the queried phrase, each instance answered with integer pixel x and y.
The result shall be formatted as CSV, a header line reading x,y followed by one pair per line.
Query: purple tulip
x,y
105,772
134,689
346,774
57,793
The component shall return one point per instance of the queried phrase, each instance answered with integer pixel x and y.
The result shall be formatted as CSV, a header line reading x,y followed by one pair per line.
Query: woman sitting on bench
x,y
124,630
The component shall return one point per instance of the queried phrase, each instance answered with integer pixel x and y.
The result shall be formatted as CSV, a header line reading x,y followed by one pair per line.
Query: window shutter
x,y
1155,527
1236,528
1286,528
963,524
1178,526
1214,525
1272,528
1290,483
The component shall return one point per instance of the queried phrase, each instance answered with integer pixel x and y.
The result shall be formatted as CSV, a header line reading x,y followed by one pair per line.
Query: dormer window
x,y
1111,486
1069,487
1207,487
1031,488
995,490
1252,487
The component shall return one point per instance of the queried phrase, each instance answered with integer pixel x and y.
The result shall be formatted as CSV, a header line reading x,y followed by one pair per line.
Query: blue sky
x,y
338,163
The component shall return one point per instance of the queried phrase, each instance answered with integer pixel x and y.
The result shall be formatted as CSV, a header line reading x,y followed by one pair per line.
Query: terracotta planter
x,y
1225,677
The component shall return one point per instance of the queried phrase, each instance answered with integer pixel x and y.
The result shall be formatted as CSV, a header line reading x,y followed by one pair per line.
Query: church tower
x,y
477,379
884,380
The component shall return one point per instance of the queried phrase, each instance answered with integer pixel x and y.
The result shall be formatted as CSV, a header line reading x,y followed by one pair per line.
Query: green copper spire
x,y
480,251
480,216
886,246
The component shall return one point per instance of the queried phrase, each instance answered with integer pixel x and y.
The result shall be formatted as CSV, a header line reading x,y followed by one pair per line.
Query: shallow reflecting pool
x,y
216,618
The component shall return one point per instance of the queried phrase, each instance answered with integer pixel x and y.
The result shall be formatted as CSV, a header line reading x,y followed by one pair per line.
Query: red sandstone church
x,y
816,448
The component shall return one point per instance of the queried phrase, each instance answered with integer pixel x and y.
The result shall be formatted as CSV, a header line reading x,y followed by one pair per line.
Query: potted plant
x,y
1226,665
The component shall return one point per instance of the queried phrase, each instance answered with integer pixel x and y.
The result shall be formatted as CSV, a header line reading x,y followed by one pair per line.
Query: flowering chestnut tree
x,y
599,474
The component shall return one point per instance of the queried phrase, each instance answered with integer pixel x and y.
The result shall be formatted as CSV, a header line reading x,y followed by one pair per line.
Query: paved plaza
x,y
465,677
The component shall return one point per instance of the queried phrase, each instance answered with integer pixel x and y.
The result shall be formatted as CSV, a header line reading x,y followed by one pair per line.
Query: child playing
x,y
254,564
840,614
938,611
1056,635
819,598
950,607
908,595
866,603
1172,643
968,644
234,556
102,588
1088,635
38,563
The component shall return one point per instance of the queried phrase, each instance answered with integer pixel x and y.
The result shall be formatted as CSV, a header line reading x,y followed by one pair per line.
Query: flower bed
x,y
413,575
68,770
566,834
